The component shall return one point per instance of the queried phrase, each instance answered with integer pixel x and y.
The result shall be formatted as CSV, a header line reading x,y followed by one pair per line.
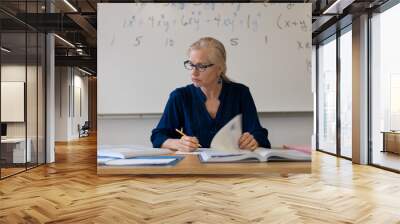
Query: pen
x,y
183,134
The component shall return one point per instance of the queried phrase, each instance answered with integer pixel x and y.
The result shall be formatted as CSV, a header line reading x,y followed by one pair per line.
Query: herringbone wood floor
x,y
69,191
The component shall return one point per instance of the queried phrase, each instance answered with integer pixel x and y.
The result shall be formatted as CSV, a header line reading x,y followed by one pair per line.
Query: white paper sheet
x,y
103,160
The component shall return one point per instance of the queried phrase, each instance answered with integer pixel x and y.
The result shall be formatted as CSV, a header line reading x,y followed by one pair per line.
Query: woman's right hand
x,y
184,144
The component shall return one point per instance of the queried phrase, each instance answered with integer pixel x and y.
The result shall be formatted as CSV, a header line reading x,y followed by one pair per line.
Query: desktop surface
x,y
191,165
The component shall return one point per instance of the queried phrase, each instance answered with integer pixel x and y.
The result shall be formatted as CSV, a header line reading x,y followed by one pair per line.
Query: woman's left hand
x,y
247,141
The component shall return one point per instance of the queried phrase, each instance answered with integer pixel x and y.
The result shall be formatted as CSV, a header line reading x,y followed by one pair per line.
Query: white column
x,y
50,110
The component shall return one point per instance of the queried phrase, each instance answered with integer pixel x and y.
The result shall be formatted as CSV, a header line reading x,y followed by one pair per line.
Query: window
x,y
327,95
385,88
346,93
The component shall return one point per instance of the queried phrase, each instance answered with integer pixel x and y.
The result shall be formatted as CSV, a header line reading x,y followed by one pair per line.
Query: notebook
x,y
146,161
258,155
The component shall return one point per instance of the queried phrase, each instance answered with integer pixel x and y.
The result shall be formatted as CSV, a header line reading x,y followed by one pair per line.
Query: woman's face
x,y
210,76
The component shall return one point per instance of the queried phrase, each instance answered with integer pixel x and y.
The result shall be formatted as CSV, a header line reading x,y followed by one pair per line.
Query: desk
x,y
17,150
191,165
391,141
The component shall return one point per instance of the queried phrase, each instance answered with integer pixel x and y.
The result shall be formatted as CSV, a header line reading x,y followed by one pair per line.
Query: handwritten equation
x,y
195,22
283,23
202,16
235,24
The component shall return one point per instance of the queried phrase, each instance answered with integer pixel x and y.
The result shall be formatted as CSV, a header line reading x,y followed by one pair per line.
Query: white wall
x,y
61,103
69,82
283,128
80,110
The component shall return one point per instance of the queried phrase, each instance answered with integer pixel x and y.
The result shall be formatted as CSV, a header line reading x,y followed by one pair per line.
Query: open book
x,y
226,139
225,148
258,155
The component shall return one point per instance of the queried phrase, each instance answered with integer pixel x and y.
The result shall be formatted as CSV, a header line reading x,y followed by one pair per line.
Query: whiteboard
x,y
12,101
142,46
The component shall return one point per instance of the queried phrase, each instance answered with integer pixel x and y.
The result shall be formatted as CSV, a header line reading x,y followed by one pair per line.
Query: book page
x,y
282,154
227,138
224,156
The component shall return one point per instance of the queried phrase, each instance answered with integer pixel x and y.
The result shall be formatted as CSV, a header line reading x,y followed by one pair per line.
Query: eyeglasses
x,y
200,67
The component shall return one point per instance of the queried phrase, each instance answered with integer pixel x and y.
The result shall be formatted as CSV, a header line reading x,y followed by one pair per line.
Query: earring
x,y
219,80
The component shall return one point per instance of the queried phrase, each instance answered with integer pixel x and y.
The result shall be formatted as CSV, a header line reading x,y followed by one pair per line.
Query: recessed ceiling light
x,y
5,50
64,40
338,6
84,71
70,5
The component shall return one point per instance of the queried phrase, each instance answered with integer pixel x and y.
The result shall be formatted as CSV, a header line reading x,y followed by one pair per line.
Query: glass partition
x,y
22,77
13,91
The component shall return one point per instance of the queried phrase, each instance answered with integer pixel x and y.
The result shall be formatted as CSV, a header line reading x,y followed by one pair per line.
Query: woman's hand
x,y
184,144
247,141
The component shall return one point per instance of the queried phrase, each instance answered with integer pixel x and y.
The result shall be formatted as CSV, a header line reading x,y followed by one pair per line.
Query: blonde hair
x,y
217,53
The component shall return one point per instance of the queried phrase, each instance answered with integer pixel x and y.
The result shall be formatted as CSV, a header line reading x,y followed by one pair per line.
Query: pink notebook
x,y
301,148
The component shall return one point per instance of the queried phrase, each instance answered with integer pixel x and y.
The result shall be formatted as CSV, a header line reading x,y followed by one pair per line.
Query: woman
x,y
205,106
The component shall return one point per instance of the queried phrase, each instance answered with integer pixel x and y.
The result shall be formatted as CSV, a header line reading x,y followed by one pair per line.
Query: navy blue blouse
x,y
186,109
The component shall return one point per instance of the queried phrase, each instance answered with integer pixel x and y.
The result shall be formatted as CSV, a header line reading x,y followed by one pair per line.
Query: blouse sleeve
x,y
171,119
251,122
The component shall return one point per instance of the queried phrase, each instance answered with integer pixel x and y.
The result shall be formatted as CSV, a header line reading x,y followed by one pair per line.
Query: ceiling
x,y
77,23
